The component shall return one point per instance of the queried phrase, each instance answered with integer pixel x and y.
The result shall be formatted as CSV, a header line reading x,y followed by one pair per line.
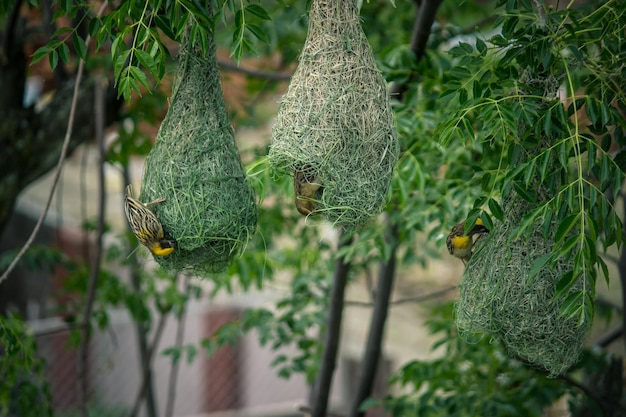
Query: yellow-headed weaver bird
x,y
307,190
146,226
460,244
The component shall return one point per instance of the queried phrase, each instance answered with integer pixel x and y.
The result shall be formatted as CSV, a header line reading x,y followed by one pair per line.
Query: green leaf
x,y
527,221
239,22
41,53
119,62
64,52
486,218
572,305
481,46
564,285
544,164
538,265
164,24
258,32
117,46
527,194
485,181
547,121
138,75
53,58
565,227
125,88
95,24
80,46
66,5
462,97
605,269
567,247
258,11
462,49
605,111
528,173
147,61
591,108
546,226
576,52
495,209
477,89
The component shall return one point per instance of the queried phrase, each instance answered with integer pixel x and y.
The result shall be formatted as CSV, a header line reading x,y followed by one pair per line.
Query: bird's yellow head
x,y
162,248
479,227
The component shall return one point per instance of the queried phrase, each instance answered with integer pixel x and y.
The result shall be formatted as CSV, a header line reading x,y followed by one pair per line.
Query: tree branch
x,y
145,377
8,40
30,145
180,336
373,350
416,299
57,174
419,39
333,330
12,64
605,339
95,265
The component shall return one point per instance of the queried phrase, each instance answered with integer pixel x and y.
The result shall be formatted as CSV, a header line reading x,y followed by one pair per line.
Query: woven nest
x,y
335,125
496,296
209,206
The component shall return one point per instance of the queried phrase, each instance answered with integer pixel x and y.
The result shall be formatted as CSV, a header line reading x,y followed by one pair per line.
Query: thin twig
x,y
604,340
146,371
265,75
543,22
57,171
605,302
408,300
180,336
95,264
588,392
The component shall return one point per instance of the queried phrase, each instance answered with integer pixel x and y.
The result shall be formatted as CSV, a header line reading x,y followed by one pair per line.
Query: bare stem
x,y
95,264
333,330
180,336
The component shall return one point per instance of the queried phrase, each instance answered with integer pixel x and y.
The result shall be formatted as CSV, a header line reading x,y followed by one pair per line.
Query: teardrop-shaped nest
x,y
209,208
497,296
335,125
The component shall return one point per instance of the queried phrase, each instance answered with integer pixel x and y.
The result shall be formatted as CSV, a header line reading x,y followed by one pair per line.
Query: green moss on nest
x,y
497,296
210,208
335,122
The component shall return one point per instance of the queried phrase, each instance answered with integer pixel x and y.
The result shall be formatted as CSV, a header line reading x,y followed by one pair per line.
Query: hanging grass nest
x,y
209,207
334,131
497,296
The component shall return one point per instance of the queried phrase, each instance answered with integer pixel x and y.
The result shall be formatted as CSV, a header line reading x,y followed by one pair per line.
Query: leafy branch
x,y
556,156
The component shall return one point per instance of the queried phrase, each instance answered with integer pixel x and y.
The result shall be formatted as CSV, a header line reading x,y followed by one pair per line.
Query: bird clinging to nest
x,y
308,189
460,244
145,225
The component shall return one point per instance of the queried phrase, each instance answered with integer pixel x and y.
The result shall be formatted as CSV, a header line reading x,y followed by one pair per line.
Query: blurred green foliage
x,y
486,110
